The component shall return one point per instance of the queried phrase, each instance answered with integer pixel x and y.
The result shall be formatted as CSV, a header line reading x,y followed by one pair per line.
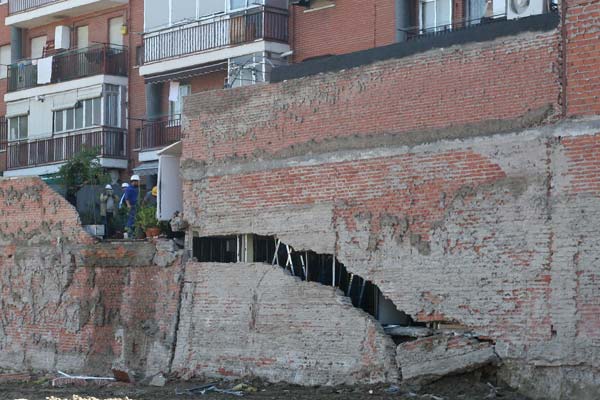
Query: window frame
x,y
436,25
82,104
20,136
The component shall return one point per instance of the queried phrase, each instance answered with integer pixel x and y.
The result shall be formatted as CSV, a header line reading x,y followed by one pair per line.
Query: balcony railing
x,y
233,29
110,142
17,6
416,32
72,64
159,133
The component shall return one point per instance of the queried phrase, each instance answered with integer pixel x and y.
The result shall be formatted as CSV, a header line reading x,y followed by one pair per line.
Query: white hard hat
x,y
135,178
108,187
124,184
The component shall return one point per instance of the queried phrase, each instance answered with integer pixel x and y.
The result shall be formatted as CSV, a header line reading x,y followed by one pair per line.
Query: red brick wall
x,y
4,40
350,25
439,89
583,57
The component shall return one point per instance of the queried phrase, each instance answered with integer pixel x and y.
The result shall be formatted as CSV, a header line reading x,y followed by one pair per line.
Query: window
x,y
112,106
435,15
175,107
18,127
37,46
115,36
162,13
86,114
4,61
82,37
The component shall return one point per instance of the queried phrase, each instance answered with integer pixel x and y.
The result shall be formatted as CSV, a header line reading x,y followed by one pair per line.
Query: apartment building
x,y
113,74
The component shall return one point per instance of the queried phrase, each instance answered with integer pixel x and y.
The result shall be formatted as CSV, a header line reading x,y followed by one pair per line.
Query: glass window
x,y
96,111
79,117
115,35
4,61
18,127
37,46
156,14
89,112
183,10
209,7
176,107
58,121
111,106
82,37
70,119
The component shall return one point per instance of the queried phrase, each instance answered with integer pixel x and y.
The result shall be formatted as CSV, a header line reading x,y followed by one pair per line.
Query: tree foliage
x,y
82,169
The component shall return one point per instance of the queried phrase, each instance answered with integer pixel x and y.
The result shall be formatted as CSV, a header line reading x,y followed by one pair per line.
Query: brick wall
x,y
457,191
259,321
350,25
413,96
582,29
72,304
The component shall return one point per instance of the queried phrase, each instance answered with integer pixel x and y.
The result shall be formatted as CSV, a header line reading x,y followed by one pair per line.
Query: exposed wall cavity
x,y
307,266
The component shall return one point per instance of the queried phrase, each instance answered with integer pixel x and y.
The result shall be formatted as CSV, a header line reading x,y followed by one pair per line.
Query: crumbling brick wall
x,y
464,201
70,303
244,320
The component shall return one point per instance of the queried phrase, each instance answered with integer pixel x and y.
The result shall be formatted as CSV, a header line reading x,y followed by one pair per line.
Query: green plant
x,y
146,218
83,169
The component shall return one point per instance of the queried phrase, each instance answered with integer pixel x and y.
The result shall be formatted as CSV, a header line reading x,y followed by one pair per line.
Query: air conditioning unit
x,y
62,37
524,8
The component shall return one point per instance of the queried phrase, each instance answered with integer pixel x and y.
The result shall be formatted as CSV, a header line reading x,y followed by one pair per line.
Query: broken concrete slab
x,y
158,380
410,331
428,359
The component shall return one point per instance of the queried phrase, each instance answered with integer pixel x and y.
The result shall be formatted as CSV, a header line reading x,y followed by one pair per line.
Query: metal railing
x,y
232,29
159,133
110,142
72,64
415,32
3,133
17,6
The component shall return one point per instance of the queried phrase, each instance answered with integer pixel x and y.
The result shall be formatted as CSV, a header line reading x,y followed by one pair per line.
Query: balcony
x,y
70,65
110,142
31,13
213,40
158,134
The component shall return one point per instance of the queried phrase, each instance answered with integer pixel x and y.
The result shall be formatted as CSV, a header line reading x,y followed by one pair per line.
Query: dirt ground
x,y
466,387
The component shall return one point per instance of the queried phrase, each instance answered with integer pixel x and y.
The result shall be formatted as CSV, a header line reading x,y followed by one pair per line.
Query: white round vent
x,y
519,6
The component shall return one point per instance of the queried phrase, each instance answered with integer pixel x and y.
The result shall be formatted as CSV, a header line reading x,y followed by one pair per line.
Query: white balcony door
x,y
115,36
37,46
82,37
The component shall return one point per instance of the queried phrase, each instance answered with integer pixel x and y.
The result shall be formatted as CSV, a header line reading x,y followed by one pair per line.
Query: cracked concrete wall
x,y
68,302
256,320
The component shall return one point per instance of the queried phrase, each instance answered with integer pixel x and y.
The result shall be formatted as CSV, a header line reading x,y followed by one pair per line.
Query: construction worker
x,y
131,199
150,198
108,202
124,187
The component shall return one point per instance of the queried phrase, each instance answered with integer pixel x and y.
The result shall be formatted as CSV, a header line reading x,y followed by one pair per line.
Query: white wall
x,y
170,188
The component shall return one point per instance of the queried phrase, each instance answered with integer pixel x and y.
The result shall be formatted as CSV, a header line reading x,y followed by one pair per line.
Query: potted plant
x,y
145,221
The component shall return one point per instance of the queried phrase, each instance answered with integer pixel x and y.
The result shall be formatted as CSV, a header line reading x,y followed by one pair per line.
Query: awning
x,y
147,168
187,73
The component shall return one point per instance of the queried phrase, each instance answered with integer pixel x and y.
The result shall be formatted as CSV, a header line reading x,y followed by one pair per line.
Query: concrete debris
x,y
158,380
243,387
212,387
410,331
428,359
178,224
66,379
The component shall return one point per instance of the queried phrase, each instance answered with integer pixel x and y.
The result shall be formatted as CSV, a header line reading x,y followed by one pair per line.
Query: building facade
x,y
119,69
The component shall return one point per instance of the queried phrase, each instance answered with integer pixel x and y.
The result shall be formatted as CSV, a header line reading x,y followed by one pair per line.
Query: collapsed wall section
x,y
256,320
68,302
